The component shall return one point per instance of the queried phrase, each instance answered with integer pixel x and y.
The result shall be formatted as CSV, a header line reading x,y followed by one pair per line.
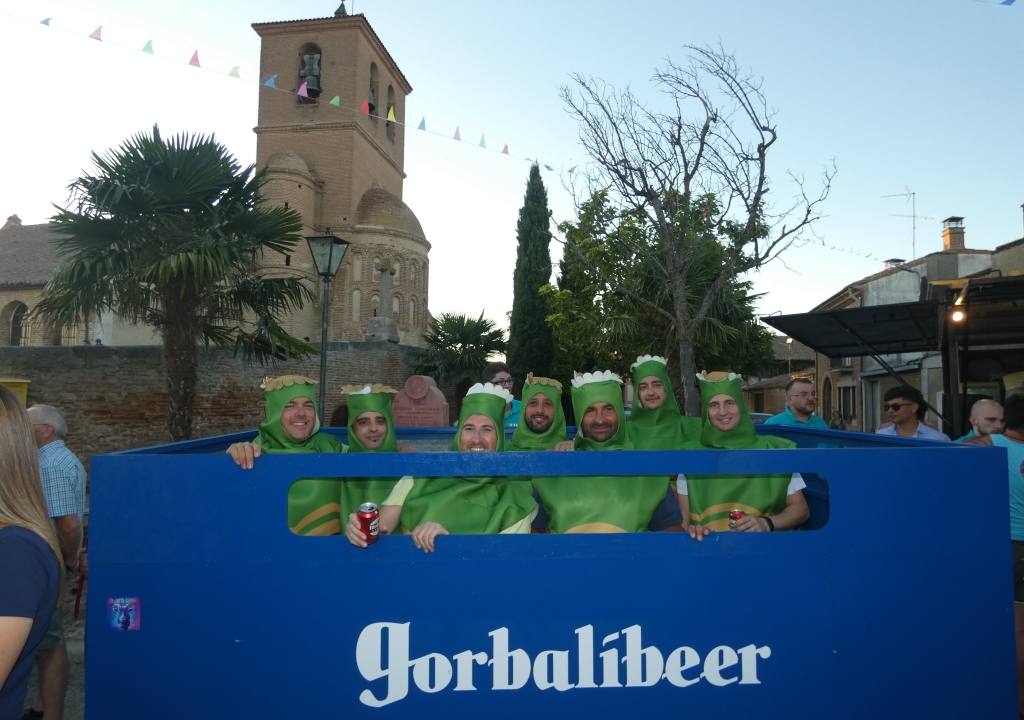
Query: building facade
x,y
335,153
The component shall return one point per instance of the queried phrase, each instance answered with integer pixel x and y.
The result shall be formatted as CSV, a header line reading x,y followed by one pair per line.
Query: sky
x,y
903,95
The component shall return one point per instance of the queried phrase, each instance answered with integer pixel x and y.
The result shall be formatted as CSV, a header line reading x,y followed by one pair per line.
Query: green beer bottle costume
x,y
602,503
313,507
523,438
664,427
362,399
712,497
472,505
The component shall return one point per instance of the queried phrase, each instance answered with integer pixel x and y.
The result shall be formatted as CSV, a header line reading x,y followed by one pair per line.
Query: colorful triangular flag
x,y
548,168
423,124
271,81
504,150
572,169
45,21
335,101
148,47
235,73
301,92
365,107
457,136
97,34
483,141
195,59
391,114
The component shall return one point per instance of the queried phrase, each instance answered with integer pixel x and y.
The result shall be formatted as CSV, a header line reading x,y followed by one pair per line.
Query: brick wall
x,y
115,397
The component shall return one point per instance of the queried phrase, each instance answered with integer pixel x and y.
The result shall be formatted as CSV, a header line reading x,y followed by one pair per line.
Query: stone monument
x,y
420,403
382,327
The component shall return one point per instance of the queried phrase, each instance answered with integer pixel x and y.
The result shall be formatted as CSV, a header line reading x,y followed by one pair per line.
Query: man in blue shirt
x,y
986,419
64,487
905,408
801,402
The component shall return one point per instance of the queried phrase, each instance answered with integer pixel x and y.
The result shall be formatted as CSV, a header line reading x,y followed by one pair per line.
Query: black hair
x,y
910,394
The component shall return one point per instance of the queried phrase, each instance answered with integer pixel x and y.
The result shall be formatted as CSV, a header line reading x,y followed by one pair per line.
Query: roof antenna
x,y
912,197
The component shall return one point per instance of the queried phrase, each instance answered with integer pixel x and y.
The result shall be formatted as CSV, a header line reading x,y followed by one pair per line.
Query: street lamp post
x,y
789,354
327,251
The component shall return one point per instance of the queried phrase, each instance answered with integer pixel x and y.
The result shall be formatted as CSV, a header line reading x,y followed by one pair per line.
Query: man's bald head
x,y
987,418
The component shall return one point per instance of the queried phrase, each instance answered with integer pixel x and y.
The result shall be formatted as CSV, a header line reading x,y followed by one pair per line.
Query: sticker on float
x,y
124,613
621,660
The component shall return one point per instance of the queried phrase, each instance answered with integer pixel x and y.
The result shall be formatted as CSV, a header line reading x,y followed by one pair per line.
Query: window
x,y
388,113
309,73
21,329
357,267
375,304
412,313
412,276
395,308
847,402
397,265
371,97
355,306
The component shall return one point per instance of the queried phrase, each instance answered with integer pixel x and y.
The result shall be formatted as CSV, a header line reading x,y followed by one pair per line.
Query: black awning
x,y
879,329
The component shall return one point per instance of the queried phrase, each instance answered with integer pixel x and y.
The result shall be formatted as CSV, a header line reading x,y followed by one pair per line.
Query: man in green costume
x,y
428,507
768,501
599,504
292,425
656,423
370,429
541,421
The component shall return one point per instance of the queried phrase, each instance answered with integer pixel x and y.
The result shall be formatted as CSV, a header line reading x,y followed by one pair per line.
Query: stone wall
x,y
115,397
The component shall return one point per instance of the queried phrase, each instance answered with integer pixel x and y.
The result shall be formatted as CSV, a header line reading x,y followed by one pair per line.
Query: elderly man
x,y
64,488
905,408
541,421
600,504
428,508
801,402
986,419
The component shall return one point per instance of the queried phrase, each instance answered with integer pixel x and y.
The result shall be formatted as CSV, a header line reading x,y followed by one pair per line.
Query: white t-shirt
x,y
796,482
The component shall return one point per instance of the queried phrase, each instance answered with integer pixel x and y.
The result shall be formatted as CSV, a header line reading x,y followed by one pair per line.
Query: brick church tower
x,y
337,159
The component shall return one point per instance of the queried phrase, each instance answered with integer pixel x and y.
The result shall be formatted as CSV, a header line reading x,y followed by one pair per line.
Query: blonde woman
x,y
30,572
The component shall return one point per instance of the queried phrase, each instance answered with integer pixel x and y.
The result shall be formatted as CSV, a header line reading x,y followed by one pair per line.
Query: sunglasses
x,y
895,407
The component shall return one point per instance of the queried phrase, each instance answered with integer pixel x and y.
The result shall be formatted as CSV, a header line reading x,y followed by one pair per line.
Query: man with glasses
x,y
801,402
497,373
905,408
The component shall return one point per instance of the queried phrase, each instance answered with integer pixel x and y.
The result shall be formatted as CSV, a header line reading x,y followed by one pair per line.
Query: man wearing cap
x,y
429,507
292,425
370,429
599,504
541,420
768,501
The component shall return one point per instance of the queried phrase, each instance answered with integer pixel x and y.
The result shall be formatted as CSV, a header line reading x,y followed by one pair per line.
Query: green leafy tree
x,y
170,233
695,168
458,347
612,304
530,345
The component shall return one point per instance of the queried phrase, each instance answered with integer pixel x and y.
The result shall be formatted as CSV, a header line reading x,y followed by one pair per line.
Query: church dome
x,y
381,208
288,162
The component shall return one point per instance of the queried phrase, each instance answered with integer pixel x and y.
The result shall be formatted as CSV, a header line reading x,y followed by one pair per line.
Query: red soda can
x,y
735,515
369,521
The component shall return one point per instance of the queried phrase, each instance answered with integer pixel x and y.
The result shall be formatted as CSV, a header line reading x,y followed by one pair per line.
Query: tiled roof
x,y
28,255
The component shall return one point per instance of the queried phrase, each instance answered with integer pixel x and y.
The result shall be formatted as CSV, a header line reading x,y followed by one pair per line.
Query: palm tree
x,y
459,346
171,234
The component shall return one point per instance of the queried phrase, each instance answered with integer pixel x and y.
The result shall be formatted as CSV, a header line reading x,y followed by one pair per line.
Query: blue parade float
x,y
202,604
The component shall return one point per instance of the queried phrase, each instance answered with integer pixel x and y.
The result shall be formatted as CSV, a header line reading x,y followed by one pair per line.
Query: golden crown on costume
x,y
282,381
367,389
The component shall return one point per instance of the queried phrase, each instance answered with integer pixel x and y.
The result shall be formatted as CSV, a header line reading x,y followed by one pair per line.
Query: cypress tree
x,y
530,345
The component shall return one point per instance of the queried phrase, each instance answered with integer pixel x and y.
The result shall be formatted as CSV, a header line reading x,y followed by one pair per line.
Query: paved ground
x,y
74,632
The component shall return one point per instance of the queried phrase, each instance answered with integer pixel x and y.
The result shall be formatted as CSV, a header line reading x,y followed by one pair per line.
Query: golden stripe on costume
x,y
596,527
314,516
328,528
725,508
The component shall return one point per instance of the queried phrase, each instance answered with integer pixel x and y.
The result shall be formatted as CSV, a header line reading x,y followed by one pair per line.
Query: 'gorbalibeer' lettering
x,y
510,668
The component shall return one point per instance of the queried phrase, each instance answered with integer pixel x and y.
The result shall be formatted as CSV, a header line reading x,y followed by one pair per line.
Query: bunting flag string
x,y
303,92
